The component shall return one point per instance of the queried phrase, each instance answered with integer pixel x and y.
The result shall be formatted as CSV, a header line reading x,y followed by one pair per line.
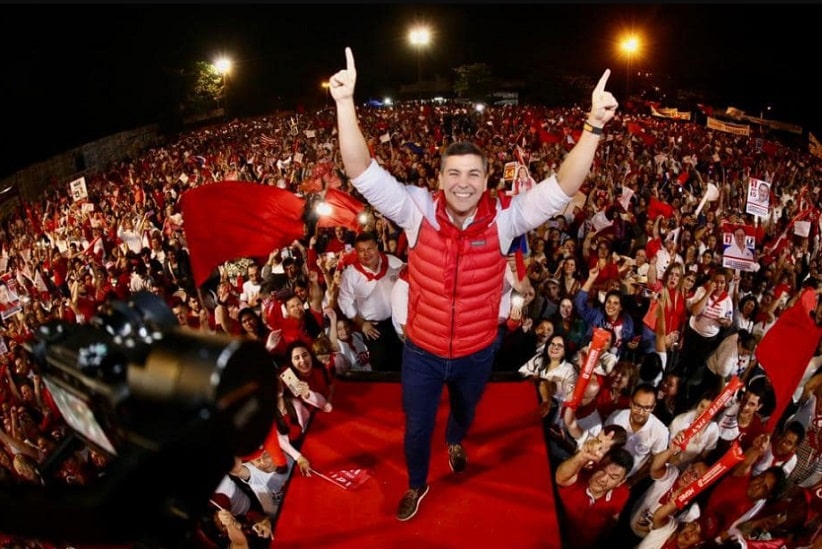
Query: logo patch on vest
x,y
477,243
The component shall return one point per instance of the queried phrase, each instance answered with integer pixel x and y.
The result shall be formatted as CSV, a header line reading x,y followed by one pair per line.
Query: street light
x,y
327,87
629,46
419,37
223,66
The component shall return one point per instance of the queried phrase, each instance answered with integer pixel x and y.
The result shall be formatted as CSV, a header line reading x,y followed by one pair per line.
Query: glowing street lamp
x,y
327,87
419,37
223,67
630,47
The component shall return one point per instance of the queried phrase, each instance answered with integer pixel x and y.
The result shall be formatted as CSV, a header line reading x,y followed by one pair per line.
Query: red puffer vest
x,y
455,283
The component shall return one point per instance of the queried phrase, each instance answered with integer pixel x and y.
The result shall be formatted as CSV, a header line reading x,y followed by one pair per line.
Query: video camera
x,y
170,408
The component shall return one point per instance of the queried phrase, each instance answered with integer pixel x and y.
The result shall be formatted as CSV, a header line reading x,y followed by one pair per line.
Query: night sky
x,y
77,73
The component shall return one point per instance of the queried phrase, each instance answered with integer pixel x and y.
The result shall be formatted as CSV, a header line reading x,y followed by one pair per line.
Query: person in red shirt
x,y
592,500
339,242
737,493
602,261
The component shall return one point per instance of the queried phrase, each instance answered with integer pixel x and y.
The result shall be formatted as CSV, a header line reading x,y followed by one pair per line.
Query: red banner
x,y
719,402
731,458
598,341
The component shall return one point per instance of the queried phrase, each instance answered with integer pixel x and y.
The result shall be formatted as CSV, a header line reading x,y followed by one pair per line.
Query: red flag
x,y
657,208
786,349
549,137
232,219
635,128
769,148
522,270
347,479
345,210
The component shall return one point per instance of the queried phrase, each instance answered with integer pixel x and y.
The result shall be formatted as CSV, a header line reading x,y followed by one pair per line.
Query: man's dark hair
x,y
366,236
650,367
616,293
621,457
620,436
644,388
709,394
747,340
797,428
779,475
462,148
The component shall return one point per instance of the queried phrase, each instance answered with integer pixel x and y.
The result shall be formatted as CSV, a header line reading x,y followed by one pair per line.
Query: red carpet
x,y
504,498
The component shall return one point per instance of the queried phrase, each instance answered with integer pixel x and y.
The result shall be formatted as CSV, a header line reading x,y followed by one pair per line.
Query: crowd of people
x,y
633,256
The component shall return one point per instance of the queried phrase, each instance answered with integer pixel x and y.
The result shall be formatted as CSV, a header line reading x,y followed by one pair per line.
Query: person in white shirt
x,y
667,480
647,435
132,236
781,452
667,254
703,442
352,352
365,298
250,297
711,310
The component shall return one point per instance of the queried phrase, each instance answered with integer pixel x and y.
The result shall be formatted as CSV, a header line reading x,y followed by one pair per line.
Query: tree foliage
x,y
205,88
474,82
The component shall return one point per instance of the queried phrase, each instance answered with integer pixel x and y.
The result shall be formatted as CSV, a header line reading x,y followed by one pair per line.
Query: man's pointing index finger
x,y
349,60
600,85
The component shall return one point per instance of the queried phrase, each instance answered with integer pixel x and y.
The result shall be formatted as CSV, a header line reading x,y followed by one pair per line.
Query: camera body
x,y
169,406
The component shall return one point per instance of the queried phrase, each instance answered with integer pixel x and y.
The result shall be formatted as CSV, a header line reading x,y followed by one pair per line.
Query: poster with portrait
x,y
759,197
739,242
509,172
77,189
10,303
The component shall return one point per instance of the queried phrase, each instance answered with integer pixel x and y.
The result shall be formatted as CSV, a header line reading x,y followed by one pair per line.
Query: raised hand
x,y
603,103
342,83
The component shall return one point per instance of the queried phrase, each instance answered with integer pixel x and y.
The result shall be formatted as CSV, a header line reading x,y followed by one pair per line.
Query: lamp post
x,y
629,47
419,37
327,87
223,66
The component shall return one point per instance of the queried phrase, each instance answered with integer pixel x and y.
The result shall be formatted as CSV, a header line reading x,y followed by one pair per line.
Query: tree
x,y
204,87
474,82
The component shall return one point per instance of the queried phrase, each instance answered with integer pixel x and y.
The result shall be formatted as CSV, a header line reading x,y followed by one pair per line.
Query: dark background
x,y
73,74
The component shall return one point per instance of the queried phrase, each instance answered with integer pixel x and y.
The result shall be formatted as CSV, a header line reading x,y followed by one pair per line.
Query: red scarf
x,y
381,273
712,302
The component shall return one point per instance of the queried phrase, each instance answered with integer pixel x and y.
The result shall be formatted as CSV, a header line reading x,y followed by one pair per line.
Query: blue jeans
x,y
423,377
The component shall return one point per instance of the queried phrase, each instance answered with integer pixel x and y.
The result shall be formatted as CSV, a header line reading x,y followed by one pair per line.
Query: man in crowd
x,y
647,435
456,263
365,298
592,500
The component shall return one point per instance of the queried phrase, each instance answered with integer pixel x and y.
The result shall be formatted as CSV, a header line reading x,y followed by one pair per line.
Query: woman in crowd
x,y
349,343
227,310
711,311
569,278
745,313
253,328
616,388
666,397
312,383
570,325
701,445
671,298
553,375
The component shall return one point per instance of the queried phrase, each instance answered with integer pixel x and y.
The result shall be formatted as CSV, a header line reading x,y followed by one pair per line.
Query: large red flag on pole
x,y
786,349
232,219
345,210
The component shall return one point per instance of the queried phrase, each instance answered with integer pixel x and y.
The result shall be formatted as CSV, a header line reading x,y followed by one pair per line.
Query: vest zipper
x,y
460,238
